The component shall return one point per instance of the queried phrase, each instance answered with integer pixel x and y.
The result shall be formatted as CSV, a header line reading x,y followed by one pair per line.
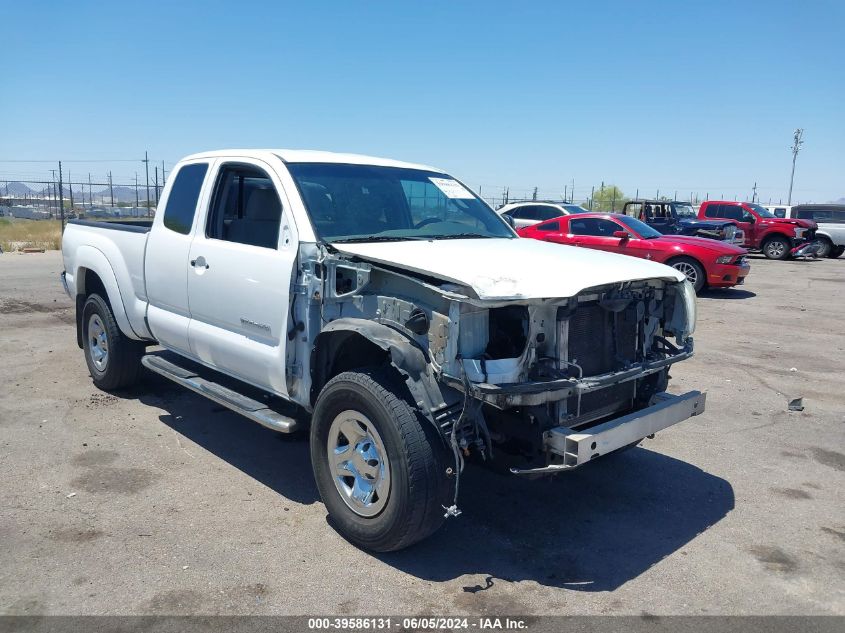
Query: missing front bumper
x,y
576,448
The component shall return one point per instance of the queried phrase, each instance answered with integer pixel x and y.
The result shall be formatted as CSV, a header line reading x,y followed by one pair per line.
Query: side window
x,y
527,212
182,200
547,213
518,213
549,226
712,211
634,209
780,212
732,212
593,226
246,208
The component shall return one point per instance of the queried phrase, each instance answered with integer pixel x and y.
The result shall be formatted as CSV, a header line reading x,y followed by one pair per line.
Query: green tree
x,y
610,198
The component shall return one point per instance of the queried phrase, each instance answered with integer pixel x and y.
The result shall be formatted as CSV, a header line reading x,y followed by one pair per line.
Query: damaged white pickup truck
x,y
392,310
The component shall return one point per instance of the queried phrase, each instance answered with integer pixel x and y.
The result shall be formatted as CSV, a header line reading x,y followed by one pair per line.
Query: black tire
x,y
836,252
825,247
693,270
776,247
122,362
419,487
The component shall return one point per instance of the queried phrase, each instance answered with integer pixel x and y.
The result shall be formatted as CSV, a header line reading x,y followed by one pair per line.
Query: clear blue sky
x,y
694,96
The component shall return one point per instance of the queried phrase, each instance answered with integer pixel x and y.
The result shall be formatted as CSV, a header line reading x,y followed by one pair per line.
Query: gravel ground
x,y
158,501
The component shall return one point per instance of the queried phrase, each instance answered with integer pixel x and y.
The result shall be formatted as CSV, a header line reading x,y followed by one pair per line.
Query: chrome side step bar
x,y
237,402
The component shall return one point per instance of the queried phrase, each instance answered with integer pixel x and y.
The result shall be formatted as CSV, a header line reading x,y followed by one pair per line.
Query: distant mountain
x,y
16,188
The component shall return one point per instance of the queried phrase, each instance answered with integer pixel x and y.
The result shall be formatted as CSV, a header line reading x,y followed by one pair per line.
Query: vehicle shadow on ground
x,y
726,293
593,529
280,462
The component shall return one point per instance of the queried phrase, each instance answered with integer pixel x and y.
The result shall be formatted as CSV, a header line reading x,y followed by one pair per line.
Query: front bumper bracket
x,y
576,448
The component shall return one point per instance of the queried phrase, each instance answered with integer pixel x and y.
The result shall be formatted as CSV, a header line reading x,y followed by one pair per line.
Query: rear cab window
x,y
181,206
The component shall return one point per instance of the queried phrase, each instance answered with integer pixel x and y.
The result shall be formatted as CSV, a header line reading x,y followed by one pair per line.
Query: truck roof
x,y
312,156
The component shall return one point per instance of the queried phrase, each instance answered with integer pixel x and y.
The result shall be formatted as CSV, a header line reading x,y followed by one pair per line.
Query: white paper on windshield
x,y
452,188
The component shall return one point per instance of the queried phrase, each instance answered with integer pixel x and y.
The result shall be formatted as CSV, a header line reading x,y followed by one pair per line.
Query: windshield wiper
x,y
377,238
458,236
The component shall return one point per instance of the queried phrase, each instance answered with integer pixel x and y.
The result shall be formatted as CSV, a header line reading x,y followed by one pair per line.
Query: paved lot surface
x,y
158,501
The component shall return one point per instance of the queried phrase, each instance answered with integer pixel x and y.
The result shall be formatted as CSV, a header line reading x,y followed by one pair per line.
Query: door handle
x,y
199,262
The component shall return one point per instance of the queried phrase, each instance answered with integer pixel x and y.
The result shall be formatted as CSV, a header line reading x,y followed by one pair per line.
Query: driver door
x,y
239,280
596,233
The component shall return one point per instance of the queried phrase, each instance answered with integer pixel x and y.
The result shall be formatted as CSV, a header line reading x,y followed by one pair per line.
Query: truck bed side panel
x,y
117,257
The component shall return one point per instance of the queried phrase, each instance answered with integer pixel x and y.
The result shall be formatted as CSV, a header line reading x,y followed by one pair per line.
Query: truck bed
x,y
114,250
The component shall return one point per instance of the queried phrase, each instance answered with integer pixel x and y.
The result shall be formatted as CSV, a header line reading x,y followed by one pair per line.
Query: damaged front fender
x,y
350,340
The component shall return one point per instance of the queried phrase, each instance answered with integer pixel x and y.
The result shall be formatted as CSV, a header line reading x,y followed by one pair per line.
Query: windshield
x,y
763,212
645,231
685,211
574,208
367,203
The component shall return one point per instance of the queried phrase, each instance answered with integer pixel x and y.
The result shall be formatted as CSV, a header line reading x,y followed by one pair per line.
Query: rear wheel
x,y
692,270
379,465
836,252
776,247
113,359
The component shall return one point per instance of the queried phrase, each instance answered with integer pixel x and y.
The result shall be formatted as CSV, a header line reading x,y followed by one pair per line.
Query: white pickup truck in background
x,y
390,309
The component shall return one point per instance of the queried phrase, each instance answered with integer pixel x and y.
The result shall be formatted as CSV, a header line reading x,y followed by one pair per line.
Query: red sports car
x,y
706,263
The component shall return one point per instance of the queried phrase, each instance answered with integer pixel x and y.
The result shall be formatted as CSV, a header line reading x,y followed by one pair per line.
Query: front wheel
x,y
113,359
825,247
836,251
776,247
379,465
692,270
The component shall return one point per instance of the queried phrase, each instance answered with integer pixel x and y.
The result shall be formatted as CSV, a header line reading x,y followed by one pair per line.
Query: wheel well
x,y
772,236
91,284
336,352
676,258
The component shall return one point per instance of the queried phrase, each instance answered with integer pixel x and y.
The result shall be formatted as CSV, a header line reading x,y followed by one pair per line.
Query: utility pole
x,y
796,147
61,197
534,195
53,188
754,192
111,190
163,178
70,185
147,168
90,193
156,181
136,190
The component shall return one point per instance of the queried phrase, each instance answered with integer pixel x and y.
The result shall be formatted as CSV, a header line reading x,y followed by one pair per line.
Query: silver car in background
x,y
528,213
831,220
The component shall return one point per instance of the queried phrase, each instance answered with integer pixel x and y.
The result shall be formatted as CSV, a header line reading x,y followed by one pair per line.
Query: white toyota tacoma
x,y
392,311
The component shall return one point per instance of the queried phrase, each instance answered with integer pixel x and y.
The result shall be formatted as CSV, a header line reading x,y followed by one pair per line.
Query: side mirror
x,y
622,235
749,218
509,220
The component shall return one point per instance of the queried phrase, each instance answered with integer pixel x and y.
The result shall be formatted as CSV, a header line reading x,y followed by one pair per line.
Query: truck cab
x,y
672,217
777,238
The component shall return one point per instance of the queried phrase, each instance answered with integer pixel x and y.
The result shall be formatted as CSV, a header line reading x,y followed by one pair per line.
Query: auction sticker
x,y
452,188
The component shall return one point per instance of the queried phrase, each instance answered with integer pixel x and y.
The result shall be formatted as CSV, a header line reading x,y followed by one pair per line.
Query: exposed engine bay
x,y
498,378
